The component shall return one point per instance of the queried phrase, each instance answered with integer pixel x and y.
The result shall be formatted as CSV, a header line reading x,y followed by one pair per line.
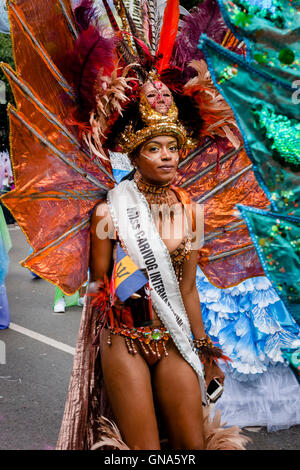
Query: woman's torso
x,y
174,229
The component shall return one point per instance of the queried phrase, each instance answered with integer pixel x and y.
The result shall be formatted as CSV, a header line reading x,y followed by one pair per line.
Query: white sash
x,y
133,221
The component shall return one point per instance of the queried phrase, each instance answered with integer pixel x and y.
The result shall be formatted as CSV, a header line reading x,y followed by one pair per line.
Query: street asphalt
x,y
35,376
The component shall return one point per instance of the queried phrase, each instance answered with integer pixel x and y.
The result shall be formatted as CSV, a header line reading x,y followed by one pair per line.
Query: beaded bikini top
x,y
180,255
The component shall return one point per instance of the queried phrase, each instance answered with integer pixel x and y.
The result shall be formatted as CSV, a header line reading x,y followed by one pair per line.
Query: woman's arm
x,y
101,245
190,296
187,286
192,305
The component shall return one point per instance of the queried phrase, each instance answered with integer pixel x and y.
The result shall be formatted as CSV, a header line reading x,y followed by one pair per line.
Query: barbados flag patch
x,y
128,278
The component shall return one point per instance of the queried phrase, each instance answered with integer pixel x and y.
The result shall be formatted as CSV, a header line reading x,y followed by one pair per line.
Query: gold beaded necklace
x,y
153,193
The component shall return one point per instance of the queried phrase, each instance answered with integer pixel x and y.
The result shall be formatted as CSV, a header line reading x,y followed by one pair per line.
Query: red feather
x,y
92,52
168,34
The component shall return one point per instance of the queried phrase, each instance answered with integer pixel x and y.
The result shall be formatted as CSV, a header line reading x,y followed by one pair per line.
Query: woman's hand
x,y
213,371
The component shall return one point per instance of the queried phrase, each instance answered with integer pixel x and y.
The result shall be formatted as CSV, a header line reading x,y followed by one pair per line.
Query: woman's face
x,y
158,160
158,96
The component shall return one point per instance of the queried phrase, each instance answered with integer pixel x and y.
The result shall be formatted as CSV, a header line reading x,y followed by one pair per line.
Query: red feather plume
x,y
93,53
168,34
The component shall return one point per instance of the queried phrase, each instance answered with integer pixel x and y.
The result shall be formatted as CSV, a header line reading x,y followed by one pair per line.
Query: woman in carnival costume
x,y
114,94
250,320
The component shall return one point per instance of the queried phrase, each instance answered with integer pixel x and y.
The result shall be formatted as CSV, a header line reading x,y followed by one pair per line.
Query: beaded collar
x,y
153,193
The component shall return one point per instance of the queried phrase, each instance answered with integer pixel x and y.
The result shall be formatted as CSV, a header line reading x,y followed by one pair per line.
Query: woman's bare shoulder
x,y
102,220
100,212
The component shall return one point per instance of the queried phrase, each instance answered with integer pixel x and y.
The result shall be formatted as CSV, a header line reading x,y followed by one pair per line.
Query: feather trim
x,y
205,18
110,436
84,14
146,23
219,438
217,115
110,92
216,437
135,10
134,33
92,52
155,20
111,17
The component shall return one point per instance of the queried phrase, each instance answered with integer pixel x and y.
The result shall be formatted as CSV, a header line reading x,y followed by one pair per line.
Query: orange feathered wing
x,y
57,184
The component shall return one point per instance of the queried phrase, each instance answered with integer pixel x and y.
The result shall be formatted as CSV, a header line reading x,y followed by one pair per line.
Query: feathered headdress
x,y
114,62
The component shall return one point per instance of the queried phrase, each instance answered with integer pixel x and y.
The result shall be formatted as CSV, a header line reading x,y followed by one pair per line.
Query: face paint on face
x,y
158,96
164,153
158,158
158,85
146,156
151,158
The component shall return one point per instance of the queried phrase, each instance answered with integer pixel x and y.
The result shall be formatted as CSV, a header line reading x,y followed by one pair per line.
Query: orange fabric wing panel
x,y
54,189
56,262
51,25
228,246
35,67
49,186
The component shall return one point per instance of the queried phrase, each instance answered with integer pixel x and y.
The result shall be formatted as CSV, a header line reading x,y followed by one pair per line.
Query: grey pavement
x,y
34,380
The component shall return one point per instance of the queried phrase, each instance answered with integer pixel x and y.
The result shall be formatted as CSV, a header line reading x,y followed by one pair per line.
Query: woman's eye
x,y
174,148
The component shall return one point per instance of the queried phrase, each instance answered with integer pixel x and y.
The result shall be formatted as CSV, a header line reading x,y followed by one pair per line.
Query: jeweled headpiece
x,y
155,124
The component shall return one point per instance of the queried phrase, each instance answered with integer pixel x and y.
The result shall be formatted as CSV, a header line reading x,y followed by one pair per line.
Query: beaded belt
x,y
150,339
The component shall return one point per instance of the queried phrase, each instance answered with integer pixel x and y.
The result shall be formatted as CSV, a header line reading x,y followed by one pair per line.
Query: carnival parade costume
x,y
61,136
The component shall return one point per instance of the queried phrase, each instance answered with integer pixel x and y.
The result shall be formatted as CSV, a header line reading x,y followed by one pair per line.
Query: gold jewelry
x,y
203,342
162,195
155,124
153,193
207,351
151,339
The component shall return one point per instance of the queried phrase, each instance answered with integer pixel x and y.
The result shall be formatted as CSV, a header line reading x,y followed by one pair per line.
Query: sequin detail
x,y
151,339
180,255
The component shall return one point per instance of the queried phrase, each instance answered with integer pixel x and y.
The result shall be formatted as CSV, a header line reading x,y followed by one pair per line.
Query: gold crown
x,y
156,124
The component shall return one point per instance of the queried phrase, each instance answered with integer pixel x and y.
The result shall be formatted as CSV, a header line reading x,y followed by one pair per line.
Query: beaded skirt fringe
x,y
149,338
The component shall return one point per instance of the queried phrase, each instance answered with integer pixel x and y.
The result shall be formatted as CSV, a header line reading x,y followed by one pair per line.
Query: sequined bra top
x,y
180,255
